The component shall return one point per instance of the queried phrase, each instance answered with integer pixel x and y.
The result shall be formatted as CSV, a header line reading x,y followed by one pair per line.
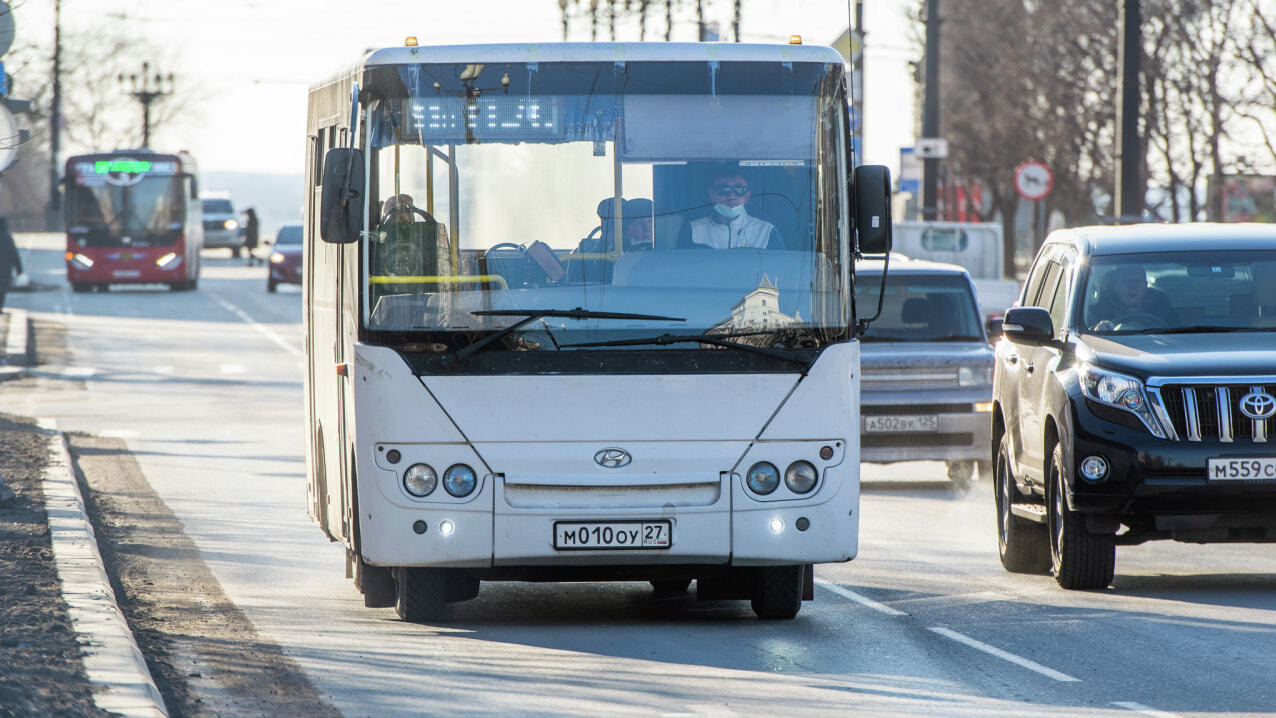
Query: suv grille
x,y
1213,411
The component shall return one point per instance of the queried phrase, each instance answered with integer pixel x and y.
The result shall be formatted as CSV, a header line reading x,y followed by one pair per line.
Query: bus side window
x,y
319,150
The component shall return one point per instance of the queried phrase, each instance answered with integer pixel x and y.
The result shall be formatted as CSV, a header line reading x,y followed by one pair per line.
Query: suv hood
x,y
1241,353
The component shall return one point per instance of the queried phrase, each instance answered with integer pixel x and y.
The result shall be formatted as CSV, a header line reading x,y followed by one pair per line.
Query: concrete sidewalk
x,y
122,683
15,327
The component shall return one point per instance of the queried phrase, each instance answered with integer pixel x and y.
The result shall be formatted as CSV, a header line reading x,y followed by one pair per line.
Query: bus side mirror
x,y
341,211
873,209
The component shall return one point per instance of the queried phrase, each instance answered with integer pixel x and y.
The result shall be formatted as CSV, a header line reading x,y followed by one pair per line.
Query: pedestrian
x,y
250,234
10,262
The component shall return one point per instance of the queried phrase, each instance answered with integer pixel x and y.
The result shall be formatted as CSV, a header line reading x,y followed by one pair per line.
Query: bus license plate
x,y
126,274
1255,469
579,535
899,424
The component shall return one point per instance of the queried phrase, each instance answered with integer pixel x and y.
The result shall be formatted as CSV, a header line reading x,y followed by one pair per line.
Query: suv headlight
x,y
974,375
1120,391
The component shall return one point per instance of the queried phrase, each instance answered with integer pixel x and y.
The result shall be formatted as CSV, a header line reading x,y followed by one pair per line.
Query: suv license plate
x,y
1242,469
585,535
898,424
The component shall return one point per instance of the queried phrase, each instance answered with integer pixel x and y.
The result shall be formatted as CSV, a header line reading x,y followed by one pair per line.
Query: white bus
x,y
526,361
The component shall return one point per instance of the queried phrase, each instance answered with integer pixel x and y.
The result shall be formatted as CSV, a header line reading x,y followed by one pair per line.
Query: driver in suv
x,y
1126,296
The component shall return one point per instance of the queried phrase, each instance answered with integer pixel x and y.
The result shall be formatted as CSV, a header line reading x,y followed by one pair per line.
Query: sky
x,y
251,62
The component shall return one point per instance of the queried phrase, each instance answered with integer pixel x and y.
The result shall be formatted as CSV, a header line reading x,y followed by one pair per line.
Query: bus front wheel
x,y
777,591
422,593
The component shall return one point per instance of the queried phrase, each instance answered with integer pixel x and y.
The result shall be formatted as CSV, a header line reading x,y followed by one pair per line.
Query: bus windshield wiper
x,y
531,315
719,340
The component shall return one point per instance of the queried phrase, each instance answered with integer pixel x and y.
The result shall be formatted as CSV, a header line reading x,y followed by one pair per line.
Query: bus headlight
x,y
459,480
763,478
169,261
800,477
230,224
420,480
80,260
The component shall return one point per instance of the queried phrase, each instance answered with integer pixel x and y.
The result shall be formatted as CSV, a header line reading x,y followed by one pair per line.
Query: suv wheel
x,y
1023,545
1078,558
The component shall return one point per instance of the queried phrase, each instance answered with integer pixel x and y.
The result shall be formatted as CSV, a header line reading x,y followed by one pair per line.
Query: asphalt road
x,y
205,389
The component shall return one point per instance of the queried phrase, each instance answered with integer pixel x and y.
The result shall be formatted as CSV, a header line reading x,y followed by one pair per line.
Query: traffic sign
x,y
10,138
932,148
1033,180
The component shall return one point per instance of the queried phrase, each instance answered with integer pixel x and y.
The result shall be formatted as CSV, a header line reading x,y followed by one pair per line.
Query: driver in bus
x,y
1126,294
730,224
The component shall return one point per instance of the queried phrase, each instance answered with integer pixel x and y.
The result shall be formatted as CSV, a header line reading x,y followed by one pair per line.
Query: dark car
x,y
1134,396
285,258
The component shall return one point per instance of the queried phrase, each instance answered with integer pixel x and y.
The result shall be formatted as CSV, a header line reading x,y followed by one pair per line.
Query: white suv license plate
x,y
588,535
899,424
1263,469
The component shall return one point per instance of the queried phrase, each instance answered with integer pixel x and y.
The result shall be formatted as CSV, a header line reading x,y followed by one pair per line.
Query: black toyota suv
x,y
1134,396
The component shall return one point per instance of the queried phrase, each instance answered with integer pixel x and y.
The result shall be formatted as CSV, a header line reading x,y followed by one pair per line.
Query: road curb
x,y
121,681
15,351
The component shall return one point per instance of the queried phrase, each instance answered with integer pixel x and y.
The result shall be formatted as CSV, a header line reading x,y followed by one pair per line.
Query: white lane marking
x,y
267,331
78,371
1145,710
1005,655
166,370
862,600
118,434
233,369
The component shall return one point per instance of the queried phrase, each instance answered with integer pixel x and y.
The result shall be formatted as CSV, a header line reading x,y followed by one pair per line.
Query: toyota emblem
x,y
1258,405
613,458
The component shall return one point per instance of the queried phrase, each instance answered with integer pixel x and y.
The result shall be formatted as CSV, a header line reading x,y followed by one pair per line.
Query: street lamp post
x,y
147,88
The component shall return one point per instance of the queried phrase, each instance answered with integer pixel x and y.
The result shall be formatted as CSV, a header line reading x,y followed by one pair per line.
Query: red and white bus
x,y
132,217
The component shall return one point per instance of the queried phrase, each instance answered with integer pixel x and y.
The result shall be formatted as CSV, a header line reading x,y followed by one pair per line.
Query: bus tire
x,y
418,594
81,287
777,591
422,593
271,286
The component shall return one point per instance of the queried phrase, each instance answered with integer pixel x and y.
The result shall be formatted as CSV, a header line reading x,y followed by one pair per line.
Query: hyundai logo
x,y
1258,404
613,458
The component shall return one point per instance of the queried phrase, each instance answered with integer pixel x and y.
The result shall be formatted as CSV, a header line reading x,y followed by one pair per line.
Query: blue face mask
x,y
729,212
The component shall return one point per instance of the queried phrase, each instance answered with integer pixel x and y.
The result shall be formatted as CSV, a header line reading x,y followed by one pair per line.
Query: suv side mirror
x,y
1027,325
341,212
873,209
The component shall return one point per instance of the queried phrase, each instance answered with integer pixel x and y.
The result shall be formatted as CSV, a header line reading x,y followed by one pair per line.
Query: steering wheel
x,y
1138,320
409,211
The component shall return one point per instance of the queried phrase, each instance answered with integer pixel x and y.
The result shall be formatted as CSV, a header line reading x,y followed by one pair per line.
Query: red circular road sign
x,y
1033,180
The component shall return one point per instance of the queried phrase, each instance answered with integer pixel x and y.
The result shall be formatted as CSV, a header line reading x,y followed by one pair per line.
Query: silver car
x,y
221,225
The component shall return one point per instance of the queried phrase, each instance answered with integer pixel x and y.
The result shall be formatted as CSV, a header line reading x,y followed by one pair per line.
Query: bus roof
x,y
604,52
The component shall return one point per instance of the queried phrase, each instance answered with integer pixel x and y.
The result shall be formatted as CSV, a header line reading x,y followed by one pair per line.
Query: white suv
x,y
221,224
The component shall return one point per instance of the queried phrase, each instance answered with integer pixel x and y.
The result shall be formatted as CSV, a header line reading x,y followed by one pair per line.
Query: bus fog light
x,y
1094,468
776,525
459,480
420,480
802,524
763,478
446,527
800,477
419,526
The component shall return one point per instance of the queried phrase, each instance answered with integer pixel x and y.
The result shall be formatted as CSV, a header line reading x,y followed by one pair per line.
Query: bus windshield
x,y
149,212
704,191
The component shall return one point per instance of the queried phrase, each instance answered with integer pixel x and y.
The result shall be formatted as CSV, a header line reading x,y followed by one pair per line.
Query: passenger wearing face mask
x,y
729,225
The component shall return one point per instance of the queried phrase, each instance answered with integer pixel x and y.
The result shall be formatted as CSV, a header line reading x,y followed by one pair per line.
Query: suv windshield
x,y
1169,292
218,206
919,307
567,185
